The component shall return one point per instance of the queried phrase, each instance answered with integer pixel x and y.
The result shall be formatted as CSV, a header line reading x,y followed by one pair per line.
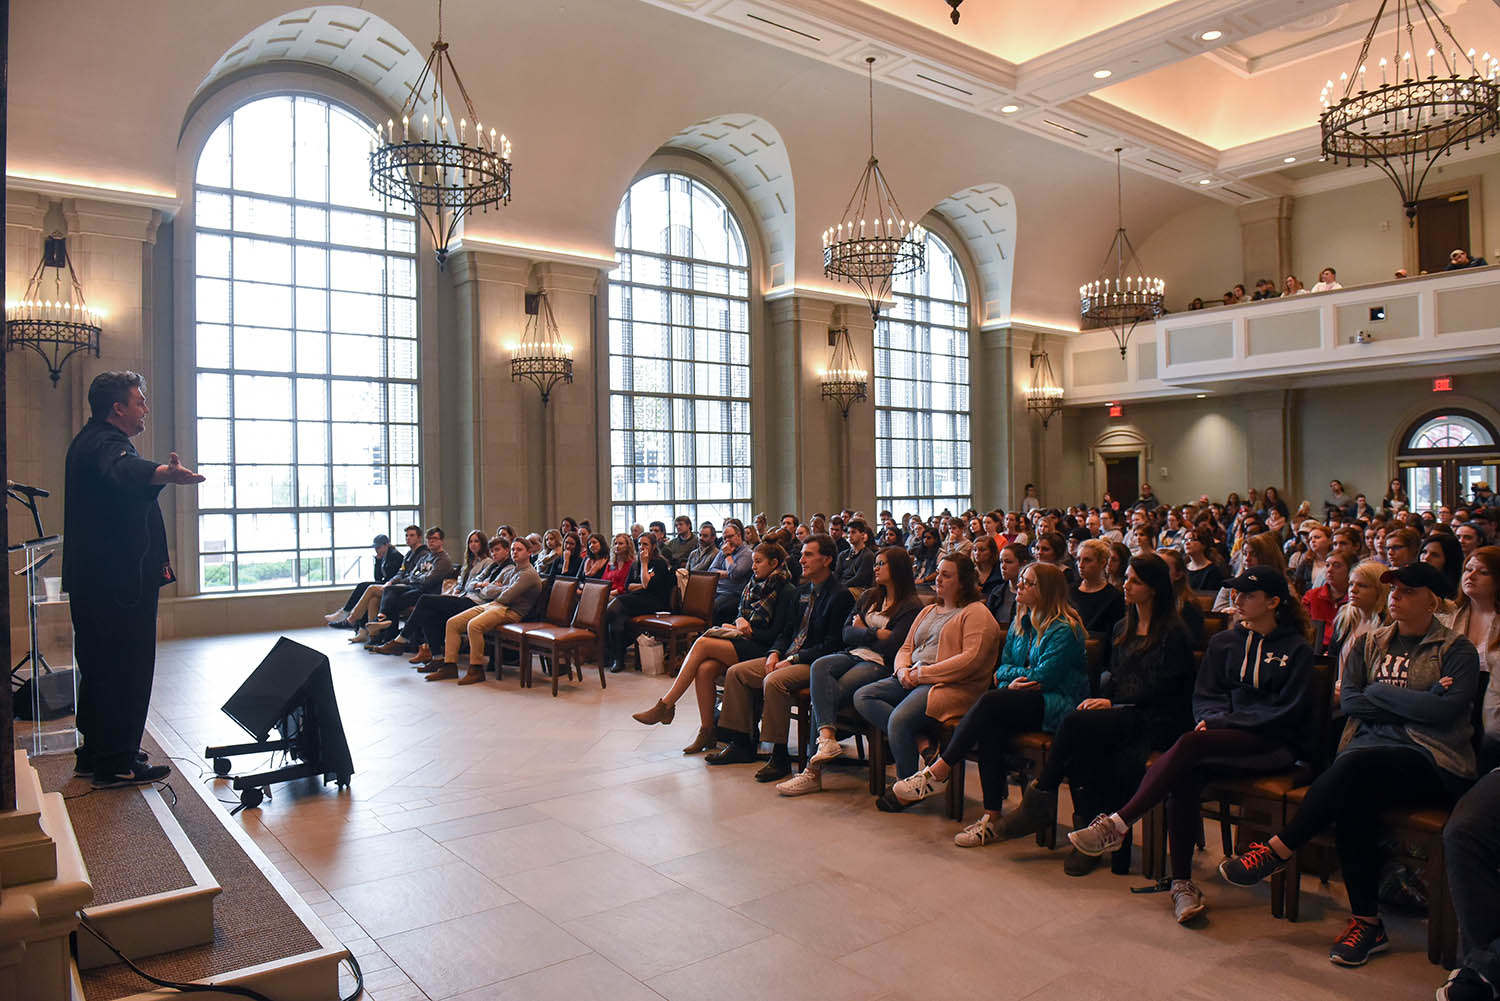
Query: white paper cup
x,y
53,588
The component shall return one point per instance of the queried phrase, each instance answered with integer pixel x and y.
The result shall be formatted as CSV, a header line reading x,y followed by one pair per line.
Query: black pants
x,y
622,608
1471,846
356,594
1349,797
990,725
114,646
1179,775
431,614
1102,754
397,598
726,608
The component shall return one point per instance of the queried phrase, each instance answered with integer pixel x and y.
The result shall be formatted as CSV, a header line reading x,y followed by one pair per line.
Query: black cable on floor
x,y
245,992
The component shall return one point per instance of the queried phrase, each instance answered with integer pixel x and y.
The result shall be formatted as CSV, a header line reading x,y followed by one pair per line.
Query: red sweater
x,y
1323,607
618,577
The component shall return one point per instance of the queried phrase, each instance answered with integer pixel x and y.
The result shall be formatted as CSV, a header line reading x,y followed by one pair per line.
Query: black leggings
x,y
1101,753
1349,797
1179,775
990,725
1471,844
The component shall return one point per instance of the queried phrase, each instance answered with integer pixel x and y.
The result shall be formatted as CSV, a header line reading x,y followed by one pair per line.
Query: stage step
x,y
172,917
263,935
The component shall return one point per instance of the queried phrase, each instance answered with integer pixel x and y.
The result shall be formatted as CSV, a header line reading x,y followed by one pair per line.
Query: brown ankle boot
x,y
430,666
445,673
393,646
424,654
659,713
474,676
706,740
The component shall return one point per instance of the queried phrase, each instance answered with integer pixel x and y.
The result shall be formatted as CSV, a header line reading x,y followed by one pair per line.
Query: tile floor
x,y
501,845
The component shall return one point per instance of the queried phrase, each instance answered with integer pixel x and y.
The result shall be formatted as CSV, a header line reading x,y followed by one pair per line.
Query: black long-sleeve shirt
x,y
114,539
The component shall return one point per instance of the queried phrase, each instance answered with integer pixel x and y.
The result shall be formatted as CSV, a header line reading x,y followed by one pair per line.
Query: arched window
x,y
922,450
679,356
306,350
1443,454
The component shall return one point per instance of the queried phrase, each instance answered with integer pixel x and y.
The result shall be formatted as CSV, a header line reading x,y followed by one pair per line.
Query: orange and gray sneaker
x,y
1259,862
1360,941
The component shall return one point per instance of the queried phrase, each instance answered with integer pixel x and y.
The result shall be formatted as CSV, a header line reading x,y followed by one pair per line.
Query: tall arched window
x,y
679,356
306,348
1443,454
922,450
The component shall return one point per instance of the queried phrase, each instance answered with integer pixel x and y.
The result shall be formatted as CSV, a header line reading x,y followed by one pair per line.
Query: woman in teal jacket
x,y
1042,675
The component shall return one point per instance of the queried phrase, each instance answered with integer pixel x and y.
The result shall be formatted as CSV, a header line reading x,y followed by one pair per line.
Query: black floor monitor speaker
x,y
291,691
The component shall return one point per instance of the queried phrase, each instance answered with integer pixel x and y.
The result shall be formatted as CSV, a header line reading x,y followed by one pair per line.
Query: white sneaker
x,y
982,832
919,786
1099,837
1187,900
363,636
828,748
801,784
335,618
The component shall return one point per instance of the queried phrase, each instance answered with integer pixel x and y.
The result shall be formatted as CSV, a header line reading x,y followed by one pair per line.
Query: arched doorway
x,y
1443,454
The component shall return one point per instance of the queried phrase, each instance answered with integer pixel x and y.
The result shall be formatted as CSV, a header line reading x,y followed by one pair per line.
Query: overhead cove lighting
x,y
1123,295
873,242
1403,124
443,173
54,322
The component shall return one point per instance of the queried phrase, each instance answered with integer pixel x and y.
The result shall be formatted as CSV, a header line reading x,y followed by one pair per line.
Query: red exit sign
x,y
1115,410
1442,384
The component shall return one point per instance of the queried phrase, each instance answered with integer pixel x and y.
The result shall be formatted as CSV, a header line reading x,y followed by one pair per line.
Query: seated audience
x,y
1310,566
1002,599
1261,550
368,603
1251,702
1324,601
876,629
941,669
701,558
595,558
856,565
648,589
1460,259
1143,704
986,555
399,594
1042,674
506,599
571,562
476,562
733,565
926,555
1187,608
388,563
1475,616
1205,566
681,545
1051,549
813,630
1328,281
1119,559
1293,286
1365,610
1402,546
766,606
621,562
552,550
427,625
957,542
1098,602
1408,690
1442,552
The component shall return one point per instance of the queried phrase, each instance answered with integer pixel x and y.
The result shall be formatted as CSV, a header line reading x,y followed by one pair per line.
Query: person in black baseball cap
x,y
387,563
1408,691
1420,575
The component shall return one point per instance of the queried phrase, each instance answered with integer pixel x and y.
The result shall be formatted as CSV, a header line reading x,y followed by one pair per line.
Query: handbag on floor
x,y
650,655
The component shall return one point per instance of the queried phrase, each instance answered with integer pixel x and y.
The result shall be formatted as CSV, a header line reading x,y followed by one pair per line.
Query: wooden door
x,y
1442,227
1122,478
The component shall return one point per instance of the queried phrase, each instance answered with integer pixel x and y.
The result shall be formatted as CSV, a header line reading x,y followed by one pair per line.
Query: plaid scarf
x,y
760,598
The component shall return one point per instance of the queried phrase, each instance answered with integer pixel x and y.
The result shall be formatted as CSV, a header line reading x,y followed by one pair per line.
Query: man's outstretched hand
x,y
175,472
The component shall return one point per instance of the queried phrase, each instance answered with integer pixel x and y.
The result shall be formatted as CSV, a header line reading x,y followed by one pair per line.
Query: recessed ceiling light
x,y
1010,109
1212,35
1202,396
1205,180
1289,159
1103,74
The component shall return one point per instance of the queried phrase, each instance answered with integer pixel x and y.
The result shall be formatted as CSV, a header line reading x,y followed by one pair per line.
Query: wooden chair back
x,y
1204,599
698,596
560,602
593,598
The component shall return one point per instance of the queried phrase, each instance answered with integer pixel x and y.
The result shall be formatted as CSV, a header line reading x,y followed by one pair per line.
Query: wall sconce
x,y
1044,396
542,356
844,381
56,324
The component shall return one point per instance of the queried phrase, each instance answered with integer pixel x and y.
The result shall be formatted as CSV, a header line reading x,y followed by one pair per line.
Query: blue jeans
x,y
901,713
835,679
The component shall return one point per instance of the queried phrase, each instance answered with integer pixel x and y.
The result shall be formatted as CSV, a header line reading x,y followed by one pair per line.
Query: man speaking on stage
x,y
114,562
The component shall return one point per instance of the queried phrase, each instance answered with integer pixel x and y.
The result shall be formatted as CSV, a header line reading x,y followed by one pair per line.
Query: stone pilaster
x,y
1266,239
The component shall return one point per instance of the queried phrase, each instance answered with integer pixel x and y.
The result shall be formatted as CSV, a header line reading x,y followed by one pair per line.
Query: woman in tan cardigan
x,y
942,668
